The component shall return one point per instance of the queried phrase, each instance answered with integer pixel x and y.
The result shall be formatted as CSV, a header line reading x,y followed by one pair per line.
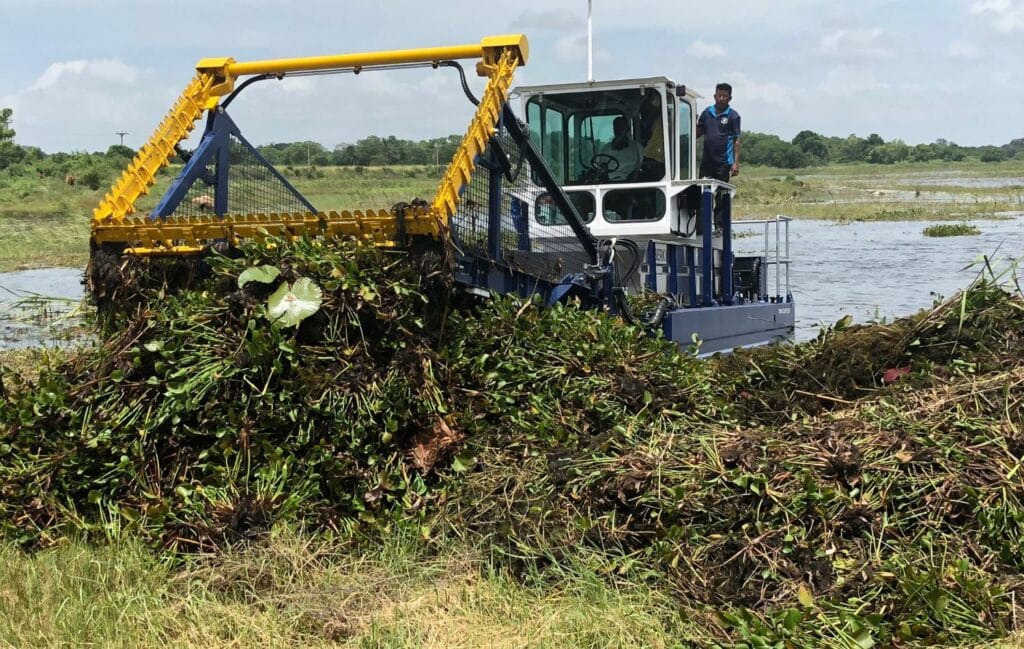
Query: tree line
x,y
810,149
372,151
806,149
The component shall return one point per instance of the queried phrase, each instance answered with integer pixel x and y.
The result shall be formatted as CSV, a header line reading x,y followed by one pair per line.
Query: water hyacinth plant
x,y
781,497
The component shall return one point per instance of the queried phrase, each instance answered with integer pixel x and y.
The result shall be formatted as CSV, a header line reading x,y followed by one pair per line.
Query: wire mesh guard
x,y
495,212
252,187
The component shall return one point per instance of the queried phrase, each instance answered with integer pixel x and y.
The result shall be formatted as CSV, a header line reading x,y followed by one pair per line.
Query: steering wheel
x,y
604,163
599,167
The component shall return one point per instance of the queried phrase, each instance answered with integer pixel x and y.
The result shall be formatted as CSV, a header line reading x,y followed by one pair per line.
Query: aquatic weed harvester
x,y
523,208
783,496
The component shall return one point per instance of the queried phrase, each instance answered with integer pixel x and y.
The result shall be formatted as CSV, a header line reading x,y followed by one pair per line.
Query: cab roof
x,y
615,84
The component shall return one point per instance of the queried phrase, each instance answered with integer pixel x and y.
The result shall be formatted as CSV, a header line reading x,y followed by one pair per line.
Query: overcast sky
x,y
76,71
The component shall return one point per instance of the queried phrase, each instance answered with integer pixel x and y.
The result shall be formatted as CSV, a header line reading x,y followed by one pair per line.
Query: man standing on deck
x,y
719,125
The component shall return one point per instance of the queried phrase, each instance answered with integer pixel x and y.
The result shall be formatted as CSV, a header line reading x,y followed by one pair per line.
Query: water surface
x,y
35,305
873,270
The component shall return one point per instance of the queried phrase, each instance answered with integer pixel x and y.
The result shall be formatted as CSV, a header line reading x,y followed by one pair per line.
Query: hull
x,y
723,328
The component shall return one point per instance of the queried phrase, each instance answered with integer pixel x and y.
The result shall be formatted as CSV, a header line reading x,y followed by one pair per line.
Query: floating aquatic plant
x,y
290,304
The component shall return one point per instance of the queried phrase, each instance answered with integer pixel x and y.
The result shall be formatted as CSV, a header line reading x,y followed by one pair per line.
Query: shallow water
x,y
969,182
869,270
34,305
874,270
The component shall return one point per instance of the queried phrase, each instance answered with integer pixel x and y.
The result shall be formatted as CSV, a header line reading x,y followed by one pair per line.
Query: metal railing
x,y
781,259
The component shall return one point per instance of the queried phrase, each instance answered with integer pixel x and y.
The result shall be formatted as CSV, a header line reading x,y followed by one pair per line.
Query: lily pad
x,y
261,274
291,304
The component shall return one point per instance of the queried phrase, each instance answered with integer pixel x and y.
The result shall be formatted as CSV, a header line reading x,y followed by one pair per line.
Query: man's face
x,y
722,97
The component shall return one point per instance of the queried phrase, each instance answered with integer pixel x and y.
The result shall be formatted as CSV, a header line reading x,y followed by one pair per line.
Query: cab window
x,y
685,138
547,213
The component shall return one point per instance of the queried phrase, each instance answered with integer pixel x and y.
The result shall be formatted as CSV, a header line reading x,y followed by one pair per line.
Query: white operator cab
x,y
656,199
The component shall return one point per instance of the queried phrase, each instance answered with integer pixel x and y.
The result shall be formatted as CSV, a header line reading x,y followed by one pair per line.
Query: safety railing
x,y
776,251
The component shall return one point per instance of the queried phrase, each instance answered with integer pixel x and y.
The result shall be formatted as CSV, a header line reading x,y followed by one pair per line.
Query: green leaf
x,y
290,305
463,463
792,619
261,274
863,639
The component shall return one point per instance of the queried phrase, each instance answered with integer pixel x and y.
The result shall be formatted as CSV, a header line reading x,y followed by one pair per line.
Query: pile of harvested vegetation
x,y
862,488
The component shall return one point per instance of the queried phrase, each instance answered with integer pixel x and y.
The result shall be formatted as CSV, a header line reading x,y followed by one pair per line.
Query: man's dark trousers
x,y
718,172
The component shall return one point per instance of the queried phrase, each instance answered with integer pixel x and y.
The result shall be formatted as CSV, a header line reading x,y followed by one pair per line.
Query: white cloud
x,y
701,50
1007,15
87,101
82,100
848,47
573,49
963,50
556,19
773,95
856,44
847,81
104,70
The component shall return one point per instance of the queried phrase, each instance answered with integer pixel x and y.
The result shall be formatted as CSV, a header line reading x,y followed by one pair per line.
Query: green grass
x,y
951,230
45,223
292,592
864,192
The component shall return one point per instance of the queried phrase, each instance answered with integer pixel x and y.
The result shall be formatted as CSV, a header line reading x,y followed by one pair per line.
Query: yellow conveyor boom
x,y
112,222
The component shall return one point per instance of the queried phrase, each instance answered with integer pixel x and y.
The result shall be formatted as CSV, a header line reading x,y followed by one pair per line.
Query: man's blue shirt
x,y
720,135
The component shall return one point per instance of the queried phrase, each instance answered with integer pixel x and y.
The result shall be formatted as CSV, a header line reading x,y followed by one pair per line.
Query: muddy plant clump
x,y
857,489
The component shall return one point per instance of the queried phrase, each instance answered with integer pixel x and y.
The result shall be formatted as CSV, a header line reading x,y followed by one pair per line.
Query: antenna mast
x,y
590,42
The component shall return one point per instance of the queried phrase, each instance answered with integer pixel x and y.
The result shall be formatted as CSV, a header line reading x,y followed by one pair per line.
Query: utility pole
x,y
437,157
122,134
307,155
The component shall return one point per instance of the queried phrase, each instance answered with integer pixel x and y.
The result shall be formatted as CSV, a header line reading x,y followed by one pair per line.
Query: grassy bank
x,y
862,192
45,223
291,591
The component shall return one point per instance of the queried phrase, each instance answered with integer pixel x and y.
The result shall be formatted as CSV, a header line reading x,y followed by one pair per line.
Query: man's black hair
x,y
724,86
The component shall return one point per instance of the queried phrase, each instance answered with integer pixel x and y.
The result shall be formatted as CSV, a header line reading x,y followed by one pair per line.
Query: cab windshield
x,y
601,136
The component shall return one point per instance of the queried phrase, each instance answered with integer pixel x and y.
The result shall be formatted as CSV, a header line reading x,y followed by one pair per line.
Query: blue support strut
x,y
215,147
672,284
691,275
652,268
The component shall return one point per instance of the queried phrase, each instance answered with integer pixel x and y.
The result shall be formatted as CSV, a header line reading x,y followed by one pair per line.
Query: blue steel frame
x,y
707,267
215,146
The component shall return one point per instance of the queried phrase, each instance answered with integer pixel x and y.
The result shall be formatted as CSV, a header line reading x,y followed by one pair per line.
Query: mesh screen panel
x,y
252,188
495,225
